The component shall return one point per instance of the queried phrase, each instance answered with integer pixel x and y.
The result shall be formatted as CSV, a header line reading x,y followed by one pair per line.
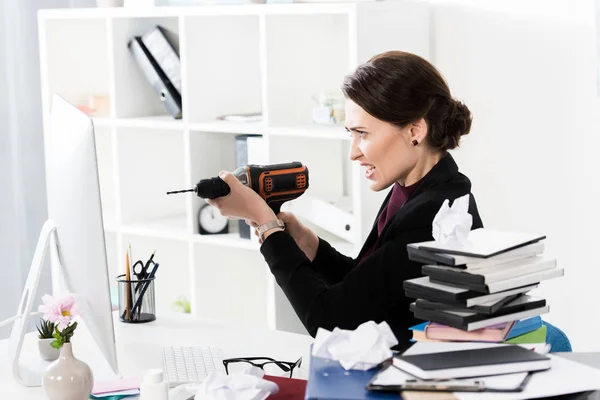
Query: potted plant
x,y
45,334
67,377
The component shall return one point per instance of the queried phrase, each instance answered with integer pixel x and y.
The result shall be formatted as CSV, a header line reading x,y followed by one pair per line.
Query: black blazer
x,y
336,291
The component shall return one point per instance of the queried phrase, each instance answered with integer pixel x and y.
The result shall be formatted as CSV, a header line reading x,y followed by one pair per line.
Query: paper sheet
x,y
564,377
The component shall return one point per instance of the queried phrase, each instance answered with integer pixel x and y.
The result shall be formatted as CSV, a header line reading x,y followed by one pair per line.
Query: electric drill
x,y
275,183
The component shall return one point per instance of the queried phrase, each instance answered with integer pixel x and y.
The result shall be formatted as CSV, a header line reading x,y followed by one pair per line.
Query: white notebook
x,y
497,272
483,243
524,280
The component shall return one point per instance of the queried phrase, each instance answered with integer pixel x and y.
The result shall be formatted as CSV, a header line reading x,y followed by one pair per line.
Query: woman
x,y
402,119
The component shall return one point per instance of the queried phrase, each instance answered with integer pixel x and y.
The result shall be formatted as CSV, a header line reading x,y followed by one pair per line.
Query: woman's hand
x,y
242,202
305,238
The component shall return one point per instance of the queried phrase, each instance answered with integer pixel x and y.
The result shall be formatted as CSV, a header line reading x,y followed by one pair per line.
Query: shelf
x,y
152,122
230,127
227,240
311,131
217,126
307,131
236,9
102,122
174,227
234,59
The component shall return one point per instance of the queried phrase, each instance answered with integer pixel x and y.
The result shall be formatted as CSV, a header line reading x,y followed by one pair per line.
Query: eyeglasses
x,y
267,364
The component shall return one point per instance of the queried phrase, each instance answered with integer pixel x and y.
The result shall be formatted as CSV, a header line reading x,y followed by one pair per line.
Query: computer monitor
x,y
74,232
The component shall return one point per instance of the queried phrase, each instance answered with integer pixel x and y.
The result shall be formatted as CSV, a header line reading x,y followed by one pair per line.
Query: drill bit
x,y
182,191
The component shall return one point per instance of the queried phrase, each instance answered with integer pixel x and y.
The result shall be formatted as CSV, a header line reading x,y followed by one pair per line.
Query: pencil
x,y
128,285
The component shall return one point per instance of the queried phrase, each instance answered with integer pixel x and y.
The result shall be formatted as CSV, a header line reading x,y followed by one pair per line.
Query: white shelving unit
x,y
270,58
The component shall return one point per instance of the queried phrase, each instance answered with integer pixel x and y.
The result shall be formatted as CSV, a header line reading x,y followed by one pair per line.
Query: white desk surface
x,y
139,348
139,345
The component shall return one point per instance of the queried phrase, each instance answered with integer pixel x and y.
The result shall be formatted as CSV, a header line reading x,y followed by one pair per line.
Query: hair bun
x,y
459,119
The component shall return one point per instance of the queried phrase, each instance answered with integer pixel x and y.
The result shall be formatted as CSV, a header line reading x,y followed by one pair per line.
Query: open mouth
x,y
370,171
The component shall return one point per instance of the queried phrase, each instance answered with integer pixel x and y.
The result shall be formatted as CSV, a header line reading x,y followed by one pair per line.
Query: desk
x,y
590,359
139,345
138,349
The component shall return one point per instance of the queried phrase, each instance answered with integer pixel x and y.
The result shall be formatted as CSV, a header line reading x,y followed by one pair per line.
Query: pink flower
x,y
61,309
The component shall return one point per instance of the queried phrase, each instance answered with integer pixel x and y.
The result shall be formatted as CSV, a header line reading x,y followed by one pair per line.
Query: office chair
x,y
557,339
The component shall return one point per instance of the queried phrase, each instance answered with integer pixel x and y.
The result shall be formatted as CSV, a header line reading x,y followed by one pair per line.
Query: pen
x,y
127,286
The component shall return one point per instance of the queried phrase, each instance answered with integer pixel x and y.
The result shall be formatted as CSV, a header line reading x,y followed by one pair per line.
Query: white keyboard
x,y
191,364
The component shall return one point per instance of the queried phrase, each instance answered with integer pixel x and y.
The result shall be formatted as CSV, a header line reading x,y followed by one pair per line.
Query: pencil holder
x,y
136,300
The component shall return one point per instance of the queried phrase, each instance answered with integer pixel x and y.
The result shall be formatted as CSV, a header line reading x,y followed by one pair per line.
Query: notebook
x,y
491,274
505,284
289,388
495,333
525,326
489,308
423,288
521,303
470,363
465,262
536,336
483,243
418,333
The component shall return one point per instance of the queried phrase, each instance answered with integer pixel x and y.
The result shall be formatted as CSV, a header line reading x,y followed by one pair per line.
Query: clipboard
x,y
392,379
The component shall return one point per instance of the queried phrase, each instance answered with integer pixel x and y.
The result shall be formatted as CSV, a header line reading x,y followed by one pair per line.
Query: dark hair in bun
x,y
401,88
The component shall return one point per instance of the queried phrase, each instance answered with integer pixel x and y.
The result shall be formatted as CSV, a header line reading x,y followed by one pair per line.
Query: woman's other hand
x,y
305,238
242,202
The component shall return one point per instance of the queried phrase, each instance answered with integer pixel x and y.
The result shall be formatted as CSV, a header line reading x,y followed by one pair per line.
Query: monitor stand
x,y
28,371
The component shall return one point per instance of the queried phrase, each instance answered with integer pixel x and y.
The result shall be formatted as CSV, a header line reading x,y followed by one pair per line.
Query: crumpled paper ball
x,y
361,349
452,224
245,385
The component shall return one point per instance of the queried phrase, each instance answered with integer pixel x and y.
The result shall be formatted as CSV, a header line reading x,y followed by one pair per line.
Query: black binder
x,y
163,86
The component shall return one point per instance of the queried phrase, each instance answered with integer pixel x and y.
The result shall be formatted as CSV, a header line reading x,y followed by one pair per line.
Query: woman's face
x,y
385,150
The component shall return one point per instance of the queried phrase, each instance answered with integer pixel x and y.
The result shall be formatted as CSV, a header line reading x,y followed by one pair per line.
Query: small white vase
x,y
47,352
68,378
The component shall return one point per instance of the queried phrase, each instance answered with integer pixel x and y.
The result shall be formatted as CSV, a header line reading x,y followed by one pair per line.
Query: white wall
x,y
526,70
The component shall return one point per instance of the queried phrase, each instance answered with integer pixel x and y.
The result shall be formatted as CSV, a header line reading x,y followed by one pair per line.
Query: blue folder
x,y
327,379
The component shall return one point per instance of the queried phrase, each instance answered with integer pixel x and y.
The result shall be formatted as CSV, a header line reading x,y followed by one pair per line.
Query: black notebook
x,y
473,321
423,288
468,363
488,308
520,303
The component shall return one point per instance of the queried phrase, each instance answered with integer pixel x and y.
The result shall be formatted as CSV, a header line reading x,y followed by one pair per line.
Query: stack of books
x,y
479,288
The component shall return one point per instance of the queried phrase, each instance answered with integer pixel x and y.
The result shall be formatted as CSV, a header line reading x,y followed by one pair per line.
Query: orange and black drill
x,y
275,183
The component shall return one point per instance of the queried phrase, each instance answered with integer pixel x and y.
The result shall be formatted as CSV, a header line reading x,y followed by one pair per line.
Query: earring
x,y
414,142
